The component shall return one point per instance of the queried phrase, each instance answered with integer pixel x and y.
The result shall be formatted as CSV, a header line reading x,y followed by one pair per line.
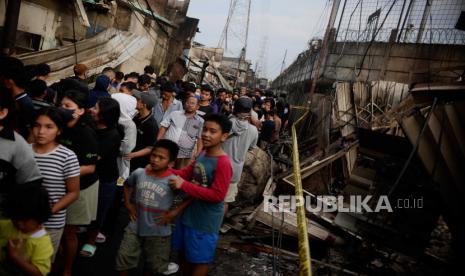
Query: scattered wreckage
x,y
404,145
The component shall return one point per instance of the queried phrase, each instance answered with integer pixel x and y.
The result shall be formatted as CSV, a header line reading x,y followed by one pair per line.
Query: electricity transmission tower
x,y
283,65
235,33
261,64
236,30
262,59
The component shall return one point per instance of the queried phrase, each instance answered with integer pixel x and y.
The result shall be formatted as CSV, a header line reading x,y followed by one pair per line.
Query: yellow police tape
x,y
305,266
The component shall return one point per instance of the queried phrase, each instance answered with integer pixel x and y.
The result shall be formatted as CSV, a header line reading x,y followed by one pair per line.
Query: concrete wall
x,y
153,53
404,63
100,21
123,18
158,6
144,56
398,62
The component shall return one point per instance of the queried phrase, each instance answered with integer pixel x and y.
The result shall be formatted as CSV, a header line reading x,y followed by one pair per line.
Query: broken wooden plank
x,y
287,222
67,50
318,165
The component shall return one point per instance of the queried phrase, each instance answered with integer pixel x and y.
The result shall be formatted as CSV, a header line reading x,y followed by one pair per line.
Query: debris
x,y
287,223
257,170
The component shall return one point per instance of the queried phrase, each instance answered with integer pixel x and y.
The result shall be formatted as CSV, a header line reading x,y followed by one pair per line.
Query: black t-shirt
x,y
268,127
82,139
207,109
147,131
109,141
25,114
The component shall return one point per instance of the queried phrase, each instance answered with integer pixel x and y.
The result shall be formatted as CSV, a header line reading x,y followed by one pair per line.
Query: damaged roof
x,y
138,7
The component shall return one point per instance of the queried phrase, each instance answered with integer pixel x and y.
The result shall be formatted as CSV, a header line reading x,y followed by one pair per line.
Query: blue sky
x,y
289,24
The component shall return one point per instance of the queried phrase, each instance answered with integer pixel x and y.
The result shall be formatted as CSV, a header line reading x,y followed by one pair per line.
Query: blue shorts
x,y
198,247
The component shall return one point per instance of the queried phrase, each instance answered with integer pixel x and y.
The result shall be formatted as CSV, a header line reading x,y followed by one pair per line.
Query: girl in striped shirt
x,y
59,168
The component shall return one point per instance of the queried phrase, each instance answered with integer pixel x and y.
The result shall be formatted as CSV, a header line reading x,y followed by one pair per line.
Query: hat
x,y
243,105
146,98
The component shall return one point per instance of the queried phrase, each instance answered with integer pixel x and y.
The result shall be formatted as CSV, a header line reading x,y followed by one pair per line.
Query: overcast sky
x,y
289,24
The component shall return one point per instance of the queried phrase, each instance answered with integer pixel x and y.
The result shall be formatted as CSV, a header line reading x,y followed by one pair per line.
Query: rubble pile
x,y
402,152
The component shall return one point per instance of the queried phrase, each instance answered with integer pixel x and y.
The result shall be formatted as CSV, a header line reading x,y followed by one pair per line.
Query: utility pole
x,y
10,26
223,42
321,55
407,13
204,68
424,19
244,50
247,28
237,25
238,74
261,62
284,62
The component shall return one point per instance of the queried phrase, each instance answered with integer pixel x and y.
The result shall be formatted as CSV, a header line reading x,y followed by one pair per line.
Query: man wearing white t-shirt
x,y
184,127
126,98
127,103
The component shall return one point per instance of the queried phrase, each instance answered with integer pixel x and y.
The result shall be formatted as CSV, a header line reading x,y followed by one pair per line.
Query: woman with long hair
x,y
105,115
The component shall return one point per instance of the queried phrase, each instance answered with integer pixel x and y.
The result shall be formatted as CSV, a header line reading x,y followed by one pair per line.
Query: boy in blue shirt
x,y
205,181
148,199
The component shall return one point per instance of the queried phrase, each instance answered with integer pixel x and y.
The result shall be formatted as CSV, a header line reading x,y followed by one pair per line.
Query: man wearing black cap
x,y
168,103
147,130
243,136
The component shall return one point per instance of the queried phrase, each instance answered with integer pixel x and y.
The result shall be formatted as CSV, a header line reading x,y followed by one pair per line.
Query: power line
x,y
374,37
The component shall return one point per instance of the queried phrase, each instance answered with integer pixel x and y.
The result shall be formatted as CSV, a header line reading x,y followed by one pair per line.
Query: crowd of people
x,y
171,153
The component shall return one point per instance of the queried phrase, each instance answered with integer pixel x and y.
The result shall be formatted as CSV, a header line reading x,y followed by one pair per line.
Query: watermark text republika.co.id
x,y
341,204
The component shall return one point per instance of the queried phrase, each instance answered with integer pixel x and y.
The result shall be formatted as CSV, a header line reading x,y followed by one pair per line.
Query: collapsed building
x,y
124,34
210,65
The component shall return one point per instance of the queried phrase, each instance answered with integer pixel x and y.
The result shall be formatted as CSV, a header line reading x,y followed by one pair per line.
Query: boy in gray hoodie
x,y
243,136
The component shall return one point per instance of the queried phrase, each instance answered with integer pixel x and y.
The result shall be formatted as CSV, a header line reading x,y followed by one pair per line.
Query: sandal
x,y
88,250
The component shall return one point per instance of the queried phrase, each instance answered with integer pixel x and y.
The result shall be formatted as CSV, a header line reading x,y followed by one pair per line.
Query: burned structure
x,y
127,35
386,120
